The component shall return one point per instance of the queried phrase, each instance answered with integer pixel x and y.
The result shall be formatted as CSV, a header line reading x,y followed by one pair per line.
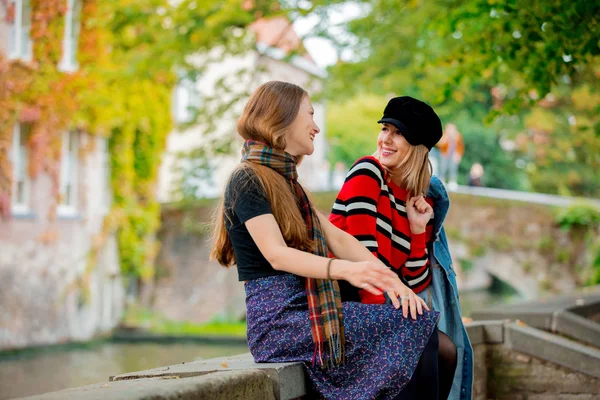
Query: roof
x,y
276,38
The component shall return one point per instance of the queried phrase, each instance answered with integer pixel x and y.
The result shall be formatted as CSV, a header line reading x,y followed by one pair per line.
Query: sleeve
x,y
419,254
355,211
249,198
355,208
418,251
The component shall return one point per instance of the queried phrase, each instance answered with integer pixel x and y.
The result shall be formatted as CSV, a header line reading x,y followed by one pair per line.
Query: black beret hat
x,y
415,120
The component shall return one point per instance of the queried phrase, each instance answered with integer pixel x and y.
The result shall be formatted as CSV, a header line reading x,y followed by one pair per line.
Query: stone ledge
x,y
565,315
553,348
587,308
582,300
250,384
485,332
541,319
577,327
288,379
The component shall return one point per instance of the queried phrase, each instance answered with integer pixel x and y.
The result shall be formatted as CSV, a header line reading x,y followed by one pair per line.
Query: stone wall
x,y
45,295
513,375
190,287
504,374
518,242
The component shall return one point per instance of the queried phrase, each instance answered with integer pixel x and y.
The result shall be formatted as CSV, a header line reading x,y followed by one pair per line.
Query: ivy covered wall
x,y
127,53
132,113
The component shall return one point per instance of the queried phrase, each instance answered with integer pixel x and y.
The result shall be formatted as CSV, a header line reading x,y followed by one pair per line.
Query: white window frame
x,y
20,164
20,32
69,63
107,197
185,96
69,163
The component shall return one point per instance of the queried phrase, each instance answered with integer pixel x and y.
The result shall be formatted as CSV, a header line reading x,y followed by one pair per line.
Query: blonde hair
x,y
266,118
414,172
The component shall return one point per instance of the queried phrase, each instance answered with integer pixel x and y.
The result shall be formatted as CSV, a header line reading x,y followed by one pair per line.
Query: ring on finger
x,y
364,285
405,298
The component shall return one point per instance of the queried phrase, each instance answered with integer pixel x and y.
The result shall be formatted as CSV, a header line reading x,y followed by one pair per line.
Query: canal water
x,y
54,368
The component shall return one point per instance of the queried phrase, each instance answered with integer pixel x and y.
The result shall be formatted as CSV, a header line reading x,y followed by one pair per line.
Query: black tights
x,y
447,357
432,379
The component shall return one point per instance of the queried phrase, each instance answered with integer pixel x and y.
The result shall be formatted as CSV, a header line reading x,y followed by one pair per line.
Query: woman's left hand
x,y
419,213
409,301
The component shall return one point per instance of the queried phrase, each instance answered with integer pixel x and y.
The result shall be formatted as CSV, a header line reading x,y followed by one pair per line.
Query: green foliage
x,y
540,40
562,255
545,243
595,279
587,217
475,61
502,242
578,215
528,266
563,143
453,233
482,145
323,201
352,127
466,265
477,249
157,324
140,46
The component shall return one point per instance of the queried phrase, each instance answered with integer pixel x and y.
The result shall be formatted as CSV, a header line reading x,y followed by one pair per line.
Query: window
x,y
68,174
185,99
105,185
71,39
21,45
20,161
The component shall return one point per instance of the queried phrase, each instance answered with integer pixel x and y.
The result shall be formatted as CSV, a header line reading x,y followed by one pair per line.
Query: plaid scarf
x,y
324,300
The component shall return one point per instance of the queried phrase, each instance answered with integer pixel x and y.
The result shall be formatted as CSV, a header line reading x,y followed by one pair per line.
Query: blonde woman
x,y
391,203
268,227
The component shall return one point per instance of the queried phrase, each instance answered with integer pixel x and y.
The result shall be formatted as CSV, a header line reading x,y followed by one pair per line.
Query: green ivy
x,y
578,215
587,217
136,147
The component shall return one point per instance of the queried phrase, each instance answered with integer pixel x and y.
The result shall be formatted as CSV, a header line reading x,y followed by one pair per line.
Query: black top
x,y
244,200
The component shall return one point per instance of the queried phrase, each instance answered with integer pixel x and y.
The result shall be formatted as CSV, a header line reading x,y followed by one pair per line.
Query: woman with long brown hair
x,y
393,205
269,228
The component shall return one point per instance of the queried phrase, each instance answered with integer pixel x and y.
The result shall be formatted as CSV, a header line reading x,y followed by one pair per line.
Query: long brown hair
x,y
266,118
414,172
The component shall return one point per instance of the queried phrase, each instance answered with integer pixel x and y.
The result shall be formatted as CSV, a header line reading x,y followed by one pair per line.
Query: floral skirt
x,y
382,347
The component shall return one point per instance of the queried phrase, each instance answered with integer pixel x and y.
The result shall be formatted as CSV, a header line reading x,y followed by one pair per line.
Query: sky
x,y
321,49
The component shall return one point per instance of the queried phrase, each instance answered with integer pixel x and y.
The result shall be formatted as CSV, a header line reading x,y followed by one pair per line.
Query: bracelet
x,y
329,268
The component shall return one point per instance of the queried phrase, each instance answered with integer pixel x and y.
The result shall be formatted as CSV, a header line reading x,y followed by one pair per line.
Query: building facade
x,y
59,270
277,54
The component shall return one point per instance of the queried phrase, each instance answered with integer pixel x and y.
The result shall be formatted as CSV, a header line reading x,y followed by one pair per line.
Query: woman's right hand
x,y
418,212
374,277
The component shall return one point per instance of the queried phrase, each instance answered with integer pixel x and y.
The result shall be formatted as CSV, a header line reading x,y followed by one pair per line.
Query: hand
x,y
419,213
410,301
372,276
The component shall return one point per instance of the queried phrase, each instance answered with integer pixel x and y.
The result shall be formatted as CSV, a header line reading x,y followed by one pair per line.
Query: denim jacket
x,y
453,319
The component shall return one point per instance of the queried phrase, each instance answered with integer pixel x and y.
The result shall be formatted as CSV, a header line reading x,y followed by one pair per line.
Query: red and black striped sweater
x,y
373,210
